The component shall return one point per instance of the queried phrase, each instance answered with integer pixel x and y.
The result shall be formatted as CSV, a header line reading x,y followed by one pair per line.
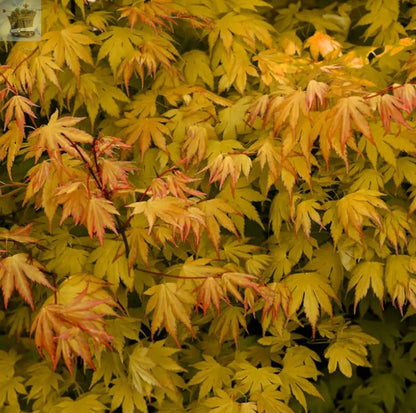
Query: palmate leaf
x,y
125,395
43,381
322,44
211,376
313,290
168,209
306,212
222,166
117,44
315,93
299,366
10,145
253,379
349,348
271,400
16,107
248,27
57,135
364,274
235,70
95,212
354,207
390,107
340,119
222,403
397,279
154,51
156,14
169,303
228,322
145,130
15,271
68,330
99,215
69,45
215,211
19,234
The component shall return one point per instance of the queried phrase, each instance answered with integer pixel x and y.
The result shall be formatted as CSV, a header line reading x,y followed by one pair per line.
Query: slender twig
x,y
26,58
97,179
11,87
122,230
159,176
163,274
87,163
387,89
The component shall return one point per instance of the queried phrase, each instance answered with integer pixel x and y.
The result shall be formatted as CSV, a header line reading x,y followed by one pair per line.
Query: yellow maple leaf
x,y
10,144
69,45
313,290
169,303
306,211
349,347
215,211
364,274
354,207
145,130
18,234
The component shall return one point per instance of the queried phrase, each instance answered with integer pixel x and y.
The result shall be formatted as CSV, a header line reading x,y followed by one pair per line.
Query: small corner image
x,y
20,20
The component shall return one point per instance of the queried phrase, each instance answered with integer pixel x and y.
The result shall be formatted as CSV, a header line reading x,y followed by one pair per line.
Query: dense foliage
x,y
208,206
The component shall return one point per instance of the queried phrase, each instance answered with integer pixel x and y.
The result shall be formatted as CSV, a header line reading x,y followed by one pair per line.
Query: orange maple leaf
x,y
276,297
114,173
352,108
14,274
210,291
228,165
315,92
18,105
153,13
70,330
99,215
390,107
321,43
19,234
58,135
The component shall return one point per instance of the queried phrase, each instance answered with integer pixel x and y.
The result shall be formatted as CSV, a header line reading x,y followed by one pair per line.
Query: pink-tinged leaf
x,y
315,92
70,330
15,271
18,105
389,108
19,234
352,108
99,215
58,135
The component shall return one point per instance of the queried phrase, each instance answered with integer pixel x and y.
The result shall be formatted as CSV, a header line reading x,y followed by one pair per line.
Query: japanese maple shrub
x,y
208,206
